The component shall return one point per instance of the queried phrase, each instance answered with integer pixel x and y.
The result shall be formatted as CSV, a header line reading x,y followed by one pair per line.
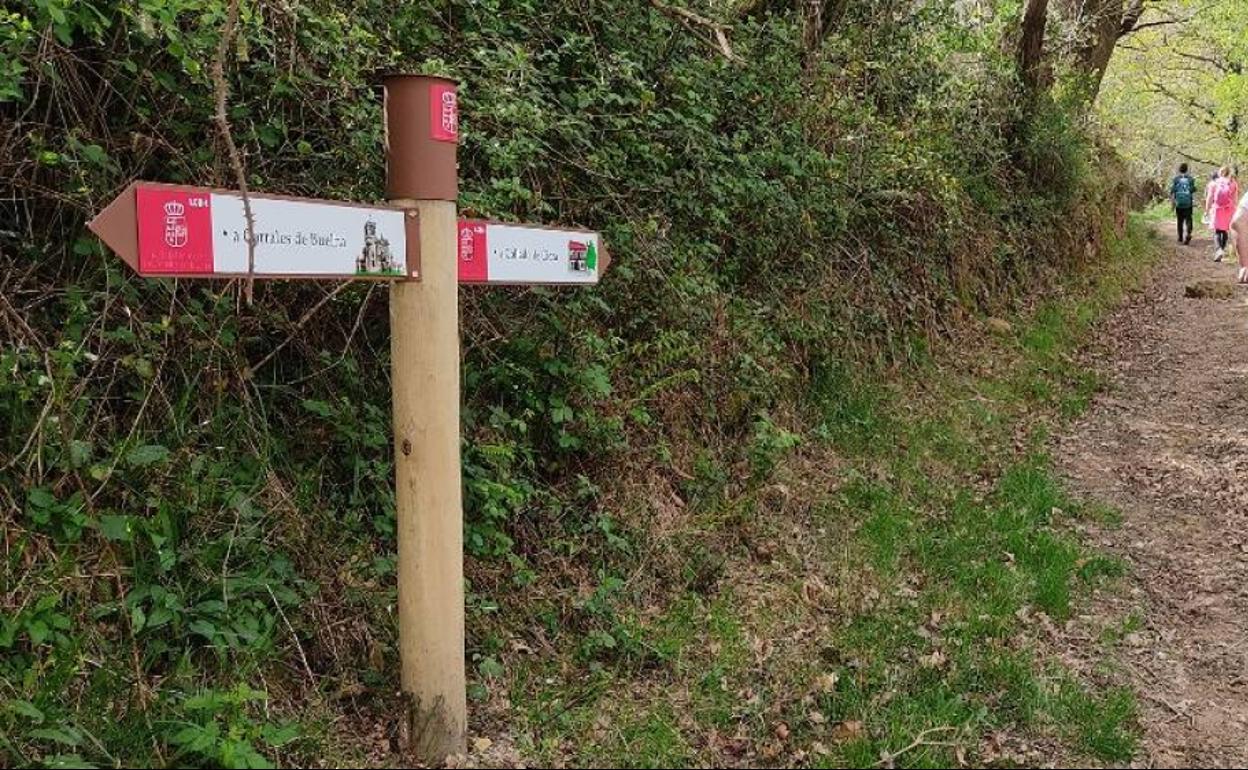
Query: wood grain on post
x,y
424,328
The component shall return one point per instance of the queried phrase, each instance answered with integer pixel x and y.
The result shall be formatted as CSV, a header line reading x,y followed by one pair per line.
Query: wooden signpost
x,y
419,244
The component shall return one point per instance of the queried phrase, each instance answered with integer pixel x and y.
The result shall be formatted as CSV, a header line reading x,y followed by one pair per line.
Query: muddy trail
x,y
1166,445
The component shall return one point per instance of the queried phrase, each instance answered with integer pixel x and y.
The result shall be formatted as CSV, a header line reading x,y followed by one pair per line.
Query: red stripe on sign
x,y
444,112
175,231
474,261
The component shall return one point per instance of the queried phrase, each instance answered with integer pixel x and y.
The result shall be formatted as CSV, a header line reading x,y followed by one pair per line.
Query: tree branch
x,y
1186,101
689,18
1184,153
223,125
1152,25
1131,17
1135,25
1222,65
1201,112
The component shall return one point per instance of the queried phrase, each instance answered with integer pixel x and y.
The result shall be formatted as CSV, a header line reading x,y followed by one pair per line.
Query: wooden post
x,y
424,329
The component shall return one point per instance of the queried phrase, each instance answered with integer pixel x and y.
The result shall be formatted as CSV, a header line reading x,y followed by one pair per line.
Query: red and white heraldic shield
x,y
175,231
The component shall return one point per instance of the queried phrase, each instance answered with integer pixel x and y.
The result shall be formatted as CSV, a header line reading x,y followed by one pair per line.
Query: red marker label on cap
x,y
444,112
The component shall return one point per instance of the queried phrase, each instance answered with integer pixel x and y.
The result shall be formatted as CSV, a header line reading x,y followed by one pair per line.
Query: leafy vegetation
x,y
700,474
1178,91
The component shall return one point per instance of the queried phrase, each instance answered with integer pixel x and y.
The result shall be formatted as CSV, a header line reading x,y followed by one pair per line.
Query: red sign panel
x,y
474,264
444,112
175,231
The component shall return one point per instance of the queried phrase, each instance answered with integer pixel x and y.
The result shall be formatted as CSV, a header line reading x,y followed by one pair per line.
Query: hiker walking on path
x,y
1225,198
1239,235
1183,196
1207,217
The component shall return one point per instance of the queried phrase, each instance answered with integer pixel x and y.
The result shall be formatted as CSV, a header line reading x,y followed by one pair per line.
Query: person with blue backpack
x,y
1183,196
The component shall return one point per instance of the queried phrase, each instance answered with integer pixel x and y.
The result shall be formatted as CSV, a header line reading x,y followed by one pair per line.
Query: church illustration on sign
x,y
376,256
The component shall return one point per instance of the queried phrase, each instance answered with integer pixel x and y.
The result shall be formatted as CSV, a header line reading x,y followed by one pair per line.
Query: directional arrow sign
x,y
494,252
172,230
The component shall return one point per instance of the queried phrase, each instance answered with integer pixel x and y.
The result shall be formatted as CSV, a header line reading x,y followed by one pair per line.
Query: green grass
x,y
651,739
852,408
1095,721
1162,211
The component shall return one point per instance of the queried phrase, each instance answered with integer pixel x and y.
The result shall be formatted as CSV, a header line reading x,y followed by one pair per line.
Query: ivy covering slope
x,y
193,527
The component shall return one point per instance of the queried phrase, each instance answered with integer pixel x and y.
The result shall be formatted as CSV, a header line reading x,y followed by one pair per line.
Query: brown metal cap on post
x,y
422,131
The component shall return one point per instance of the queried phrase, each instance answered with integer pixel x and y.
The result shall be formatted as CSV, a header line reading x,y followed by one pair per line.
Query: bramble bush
x,y
181,527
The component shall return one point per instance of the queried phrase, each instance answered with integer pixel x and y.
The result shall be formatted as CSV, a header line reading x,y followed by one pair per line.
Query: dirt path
x,y
1167,446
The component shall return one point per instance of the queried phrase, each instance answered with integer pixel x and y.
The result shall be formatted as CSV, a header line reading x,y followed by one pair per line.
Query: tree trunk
x,y
1031,47
1135,9
1099,25
1106,28
819,19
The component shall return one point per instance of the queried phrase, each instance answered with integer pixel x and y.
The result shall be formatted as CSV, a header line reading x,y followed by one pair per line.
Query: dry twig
x,y
890,757
689,18
223,125
298,325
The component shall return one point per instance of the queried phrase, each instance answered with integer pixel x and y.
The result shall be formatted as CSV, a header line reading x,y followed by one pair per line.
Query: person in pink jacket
x,y
1224,197
1207,216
